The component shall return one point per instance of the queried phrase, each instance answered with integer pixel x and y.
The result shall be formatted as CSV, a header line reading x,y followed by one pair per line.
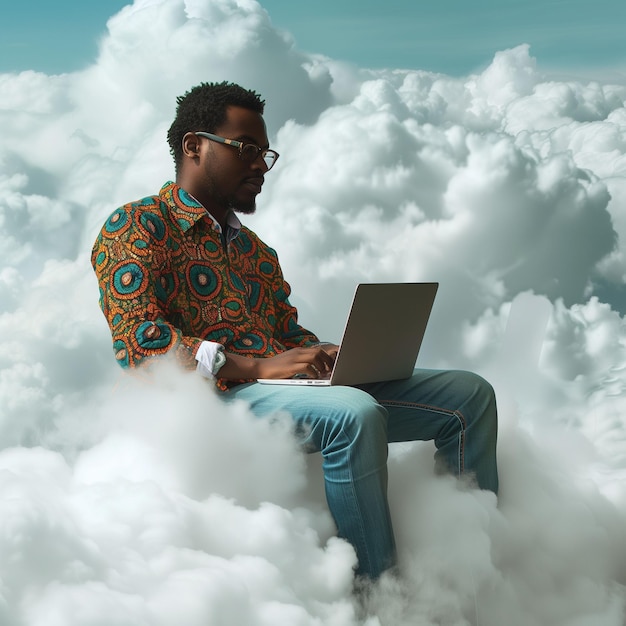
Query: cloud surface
x,y
126,502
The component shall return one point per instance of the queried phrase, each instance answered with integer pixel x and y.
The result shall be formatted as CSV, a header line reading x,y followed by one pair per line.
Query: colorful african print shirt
x,y
168,282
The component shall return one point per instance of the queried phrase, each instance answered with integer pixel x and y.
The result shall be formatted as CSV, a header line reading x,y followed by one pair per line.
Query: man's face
x,y
229,181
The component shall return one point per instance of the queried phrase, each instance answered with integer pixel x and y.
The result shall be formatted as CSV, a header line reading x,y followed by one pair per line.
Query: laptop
x,y
382,336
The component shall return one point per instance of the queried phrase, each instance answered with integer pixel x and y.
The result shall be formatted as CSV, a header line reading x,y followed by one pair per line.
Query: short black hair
x,y
203,107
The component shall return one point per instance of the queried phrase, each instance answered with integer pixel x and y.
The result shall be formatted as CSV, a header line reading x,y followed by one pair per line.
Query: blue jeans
x,y
351,427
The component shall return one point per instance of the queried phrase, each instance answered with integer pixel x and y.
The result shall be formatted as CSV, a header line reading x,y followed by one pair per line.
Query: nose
x,y
259,163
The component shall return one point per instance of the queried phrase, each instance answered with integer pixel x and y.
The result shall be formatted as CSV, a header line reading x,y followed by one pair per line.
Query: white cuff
x,y
206,354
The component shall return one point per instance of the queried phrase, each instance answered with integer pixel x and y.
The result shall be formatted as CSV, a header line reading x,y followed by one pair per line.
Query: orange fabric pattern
x,y
167,282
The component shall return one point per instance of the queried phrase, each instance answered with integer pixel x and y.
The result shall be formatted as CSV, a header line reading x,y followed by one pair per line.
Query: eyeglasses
x,y
248,152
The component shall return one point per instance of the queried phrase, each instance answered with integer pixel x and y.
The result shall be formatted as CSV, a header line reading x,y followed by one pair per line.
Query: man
x,y
179,274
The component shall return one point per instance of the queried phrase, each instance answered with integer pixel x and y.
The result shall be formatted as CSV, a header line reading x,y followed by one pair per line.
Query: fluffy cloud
x,y
155,503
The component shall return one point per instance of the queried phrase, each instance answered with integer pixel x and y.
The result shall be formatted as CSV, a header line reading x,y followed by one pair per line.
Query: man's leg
x,y
349,428
456,409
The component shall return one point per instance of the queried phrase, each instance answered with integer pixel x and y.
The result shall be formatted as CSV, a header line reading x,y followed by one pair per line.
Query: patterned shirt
x,y
168,281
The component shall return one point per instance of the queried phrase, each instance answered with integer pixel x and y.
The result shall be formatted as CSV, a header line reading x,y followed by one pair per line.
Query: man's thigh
x,y
424,404
311,408
299,400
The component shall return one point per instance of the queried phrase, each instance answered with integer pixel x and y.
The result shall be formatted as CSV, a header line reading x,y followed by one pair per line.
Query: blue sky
x,y
450,36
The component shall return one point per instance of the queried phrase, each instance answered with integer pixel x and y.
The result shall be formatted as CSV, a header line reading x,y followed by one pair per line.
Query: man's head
x,y
220,147
204,107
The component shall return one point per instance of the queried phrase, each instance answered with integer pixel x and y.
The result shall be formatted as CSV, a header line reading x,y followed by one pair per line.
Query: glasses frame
x,y
240,145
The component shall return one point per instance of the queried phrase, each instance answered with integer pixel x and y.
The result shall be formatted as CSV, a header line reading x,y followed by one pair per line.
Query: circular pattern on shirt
x,y
154,225
267,268
121,353
128,280
138,242
220,334
152,336
166,287
184,198
139,245
117,223
211,313
102,257
251,343
203,281
212,249
232,309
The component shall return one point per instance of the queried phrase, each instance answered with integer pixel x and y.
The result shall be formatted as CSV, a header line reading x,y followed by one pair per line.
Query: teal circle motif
x,y
117,220
121,353
127,278
266,268
203,280
251,343
153,224
153,336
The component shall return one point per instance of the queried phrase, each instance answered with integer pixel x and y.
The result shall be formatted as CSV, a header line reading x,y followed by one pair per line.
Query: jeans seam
x,y
352,489
459,416
461,444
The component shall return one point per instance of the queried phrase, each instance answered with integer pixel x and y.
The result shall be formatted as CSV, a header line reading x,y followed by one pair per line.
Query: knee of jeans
x,y
483,402
477,385
489,396
485,388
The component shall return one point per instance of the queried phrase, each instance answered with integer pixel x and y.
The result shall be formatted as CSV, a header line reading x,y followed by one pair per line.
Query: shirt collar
x,y
186,210
233,225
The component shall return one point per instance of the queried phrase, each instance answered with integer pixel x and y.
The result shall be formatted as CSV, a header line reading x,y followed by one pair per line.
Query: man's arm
x,y
287,329
123,260
313,362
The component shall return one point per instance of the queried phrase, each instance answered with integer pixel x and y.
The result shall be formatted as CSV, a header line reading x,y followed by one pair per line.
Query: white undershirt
x,y
205,356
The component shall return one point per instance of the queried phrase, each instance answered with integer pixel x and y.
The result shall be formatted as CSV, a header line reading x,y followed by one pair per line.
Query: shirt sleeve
x,y
290,333
124,261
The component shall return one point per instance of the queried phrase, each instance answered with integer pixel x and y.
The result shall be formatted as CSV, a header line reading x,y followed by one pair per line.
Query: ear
x,y
191,145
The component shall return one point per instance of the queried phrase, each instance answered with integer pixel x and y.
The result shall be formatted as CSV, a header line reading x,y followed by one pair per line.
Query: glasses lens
x,y
249,152
270,159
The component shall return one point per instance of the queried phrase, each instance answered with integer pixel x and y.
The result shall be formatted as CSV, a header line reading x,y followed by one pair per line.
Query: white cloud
x,y
159,505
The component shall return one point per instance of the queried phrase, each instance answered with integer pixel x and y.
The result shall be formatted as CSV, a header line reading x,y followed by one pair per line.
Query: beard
x,y
246,208
235,200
